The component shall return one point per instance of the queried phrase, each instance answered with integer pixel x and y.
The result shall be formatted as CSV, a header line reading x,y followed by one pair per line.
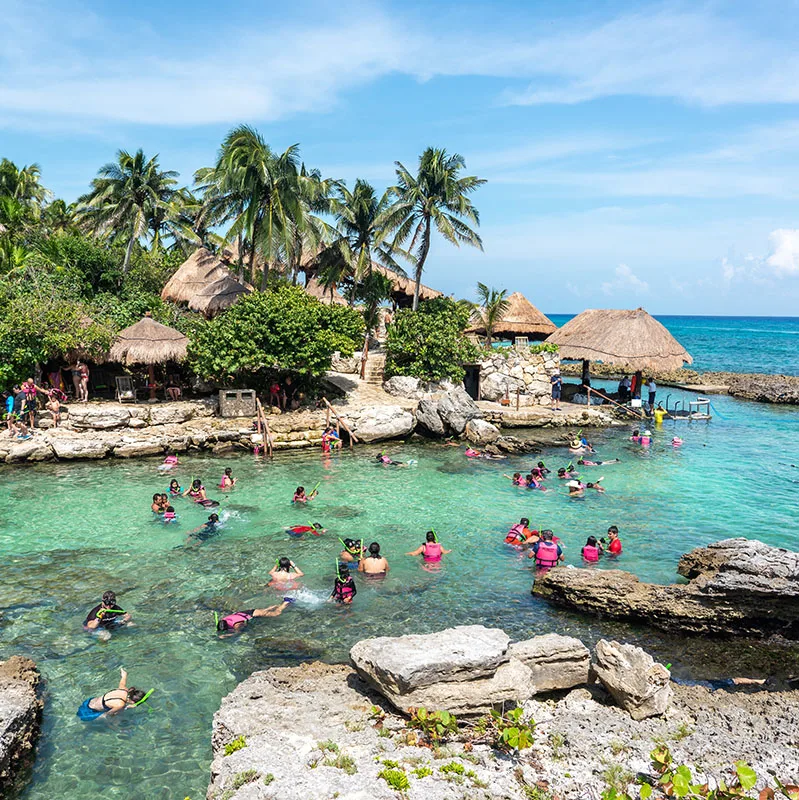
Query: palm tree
x,y
436,196
372,290
175,219
126,195
491,309
22,183
58,217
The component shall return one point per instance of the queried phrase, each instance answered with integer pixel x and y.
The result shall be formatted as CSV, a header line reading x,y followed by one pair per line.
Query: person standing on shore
x,y
557,387
652,388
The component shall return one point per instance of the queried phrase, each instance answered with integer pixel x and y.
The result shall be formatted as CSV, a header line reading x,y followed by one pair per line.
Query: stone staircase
x,y
375,369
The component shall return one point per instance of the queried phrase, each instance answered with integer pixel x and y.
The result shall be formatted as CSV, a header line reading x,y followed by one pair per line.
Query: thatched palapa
x,y
521,319
633,340
403,288
315,289
205,283
148,342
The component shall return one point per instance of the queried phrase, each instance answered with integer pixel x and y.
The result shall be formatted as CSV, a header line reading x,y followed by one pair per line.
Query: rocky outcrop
x,y
416,388
766,388
447,413
376,423
20,718
555,662
756,595
106,416
480,433
639,685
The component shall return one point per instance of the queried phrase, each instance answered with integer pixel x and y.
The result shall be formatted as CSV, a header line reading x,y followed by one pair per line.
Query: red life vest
x,y
516,535
591,552
615,547
432,551
547,554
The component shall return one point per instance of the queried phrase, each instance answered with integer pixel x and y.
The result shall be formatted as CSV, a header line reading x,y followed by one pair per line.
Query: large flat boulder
x,y
89,447
20,717
480,433
783,389
555,662
376,423
633,678
99,416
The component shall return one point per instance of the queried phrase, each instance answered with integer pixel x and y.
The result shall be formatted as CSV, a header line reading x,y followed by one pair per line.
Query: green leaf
x,y
645,791
747,777
681,781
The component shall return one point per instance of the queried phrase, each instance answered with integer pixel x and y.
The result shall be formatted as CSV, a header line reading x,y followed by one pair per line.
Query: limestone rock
x,y
143,447
403,663
135,422
402,386
20,716
94,447
171,413
636,682
782,389
427,417
34,449
556,662
99,416
456,408
376,423
495,386
480,432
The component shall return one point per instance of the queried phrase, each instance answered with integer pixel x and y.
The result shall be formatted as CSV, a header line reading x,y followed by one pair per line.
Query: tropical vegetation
x,y
73,274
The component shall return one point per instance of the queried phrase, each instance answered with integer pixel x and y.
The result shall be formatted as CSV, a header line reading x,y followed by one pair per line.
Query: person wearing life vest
x,y
431,551
546,553
592,550
520,533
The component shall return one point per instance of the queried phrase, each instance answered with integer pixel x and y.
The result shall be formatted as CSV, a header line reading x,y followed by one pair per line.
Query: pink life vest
x,y
591,552
547,554
233,619
432,551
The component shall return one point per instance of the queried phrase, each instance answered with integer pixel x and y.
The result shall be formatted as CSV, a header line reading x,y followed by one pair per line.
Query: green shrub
x,y
343,762
268,778
237,744
421,772
395,778
453,768
245,777
435,726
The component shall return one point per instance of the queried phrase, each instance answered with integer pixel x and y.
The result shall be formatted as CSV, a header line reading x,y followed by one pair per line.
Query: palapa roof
x,y
205,283
521,319
403,287
315,289
148,342
631,339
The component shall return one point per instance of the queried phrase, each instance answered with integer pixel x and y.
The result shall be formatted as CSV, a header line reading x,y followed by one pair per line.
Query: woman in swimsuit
x,y
284,574
373,563
227,481
112,702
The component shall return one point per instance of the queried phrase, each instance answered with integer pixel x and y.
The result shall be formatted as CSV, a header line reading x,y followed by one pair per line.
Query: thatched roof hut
x,y
521,319
403,288
315,289
148,342
205,283
633,340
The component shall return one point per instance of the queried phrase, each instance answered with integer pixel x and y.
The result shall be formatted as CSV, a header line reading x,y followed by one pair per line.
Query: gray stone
x,y
556,662
20,717
636,682
171,413
94,447
142,447
402,386
375,423
427,417
496,386
34,449
135,422
456,408
480,432
400,664
99,416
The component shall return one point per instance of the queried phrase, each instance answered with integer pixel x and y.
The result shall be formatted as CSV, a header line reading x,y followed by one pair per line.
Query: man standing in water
x,y
107,615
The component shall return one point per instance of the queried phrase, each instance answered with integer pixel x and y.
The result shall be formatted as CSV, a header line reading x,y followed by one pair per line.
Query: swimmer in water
x,y
197,493
595,486
170,462
227,481
301,497
592,550
576,489
344,589
170,515
157,507
175,489
284,572
207,530
107,614
520,534
111,703
546,552
237,621
567,473
431,551
614,547
353,551
542,468
389,462
516,479
300,530
373,563
585,463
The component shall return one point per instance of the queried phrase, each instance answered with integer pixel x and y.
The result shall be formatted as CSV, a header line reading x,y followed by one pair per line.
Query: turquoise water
x,y
70,531
735,344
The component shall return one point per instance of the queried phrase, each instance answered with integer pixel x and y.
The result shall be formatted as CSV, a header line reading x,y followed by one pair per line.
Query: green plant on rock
x,y
435,726
508,731
245,777
237,744
421,772
453,768
328,746
395,778
268,778
343,762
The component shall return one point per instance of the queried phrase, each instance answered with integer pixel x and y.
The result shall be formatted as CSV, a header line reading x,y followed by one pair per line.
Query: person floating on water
x,y
595,486
353,551
520,533
227,481
546,552
237,621
584,462
373,563
113,702
300,530
592,550
567,473
197,493
344,589
301,497
516,479
542,468
535,482
431,551
389,462
170,462
576,489
207,530
107,614
285,572
175,489
614,547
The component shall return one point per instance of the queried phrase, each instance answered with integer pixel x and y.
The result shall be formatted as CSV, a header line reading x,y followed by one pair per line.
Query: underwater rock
x,y
756,595
20,717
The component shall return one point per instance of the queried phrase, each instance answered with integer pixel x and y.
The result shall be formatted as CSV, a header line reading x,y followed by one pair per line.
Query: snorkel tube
x,y
139,702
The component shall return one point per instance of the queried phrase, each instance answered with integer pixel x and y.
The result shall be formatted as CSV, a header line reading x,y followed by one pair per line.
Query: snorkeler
x,y
516,479
353,551
197,493
284,572
373,563
543,469
227,481
207,530
520,533
585,463
301,497
300,530
113,702
175,489
389,462
431,551
344,589
576,489
106,615
567,473
237,621
170,462
595,486
592,550
547,553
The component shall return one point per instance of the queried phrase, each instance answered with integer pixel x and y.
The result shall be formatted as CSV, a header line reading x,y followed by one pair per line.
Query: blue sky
x,y
636,154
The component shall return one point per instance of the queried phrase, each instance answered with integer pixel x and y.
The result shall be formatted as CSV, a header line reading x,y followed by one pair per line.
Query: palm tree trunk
x,y
128,252
423,251
364,355
252,263
240,256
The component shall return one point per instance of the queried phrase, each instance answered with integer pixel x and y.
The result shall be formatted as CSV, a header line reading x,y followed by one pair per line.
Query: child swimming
x,y
516,479
285,572
175,489
353,551
431,551
520,533
614,548
301,497
170,462
207,530
197,493
237,621
300,530
227,481
344,589
543,469
592,550
170,515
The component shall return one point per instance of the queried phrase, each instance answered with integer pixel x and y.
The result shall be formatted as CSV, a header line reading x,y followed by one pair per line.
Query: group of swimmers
x,y
546,549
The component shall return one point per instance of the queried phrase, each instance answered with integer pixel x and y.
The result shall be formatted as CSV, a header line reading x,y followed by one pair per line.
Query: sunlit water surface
x,y
69,531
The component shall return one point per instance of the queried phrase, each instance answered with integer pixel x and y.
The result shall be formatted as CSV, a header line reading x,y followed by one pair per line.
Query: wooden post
x,y
340,421
268,435
517,398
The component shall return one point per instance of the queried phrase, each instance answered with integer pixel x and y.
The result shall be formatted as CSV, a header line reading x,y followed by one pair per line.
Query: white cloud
x,y
625,282
784,252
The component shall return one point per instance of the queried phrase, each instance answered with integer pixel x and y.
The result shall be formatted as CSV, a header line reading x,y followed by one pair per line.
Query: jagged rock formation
x,y
20,718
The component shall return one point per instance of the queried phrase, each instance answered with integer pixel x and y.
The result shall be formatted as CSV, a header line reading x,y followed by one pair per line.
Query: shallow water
x,y
70,531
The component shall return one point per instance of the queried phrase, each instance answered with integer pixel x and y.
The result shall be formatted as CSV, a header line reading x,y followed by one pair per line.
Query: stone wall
x,y
517,369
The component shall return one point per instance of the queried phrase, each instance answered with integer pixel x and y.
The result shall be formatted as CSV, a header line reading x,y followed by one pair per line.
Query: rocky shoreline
x,y
328,731
20,719
736,587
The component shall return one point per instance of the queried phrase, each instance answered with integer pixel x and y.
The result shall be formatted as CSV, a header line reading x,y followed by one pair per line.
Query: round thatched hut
x,y
522,318
149,343
402,288
631,340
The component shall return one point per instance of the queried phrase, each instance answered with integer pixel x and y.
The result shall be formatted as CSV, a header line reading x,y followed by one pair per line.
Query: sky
x,y
636,154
